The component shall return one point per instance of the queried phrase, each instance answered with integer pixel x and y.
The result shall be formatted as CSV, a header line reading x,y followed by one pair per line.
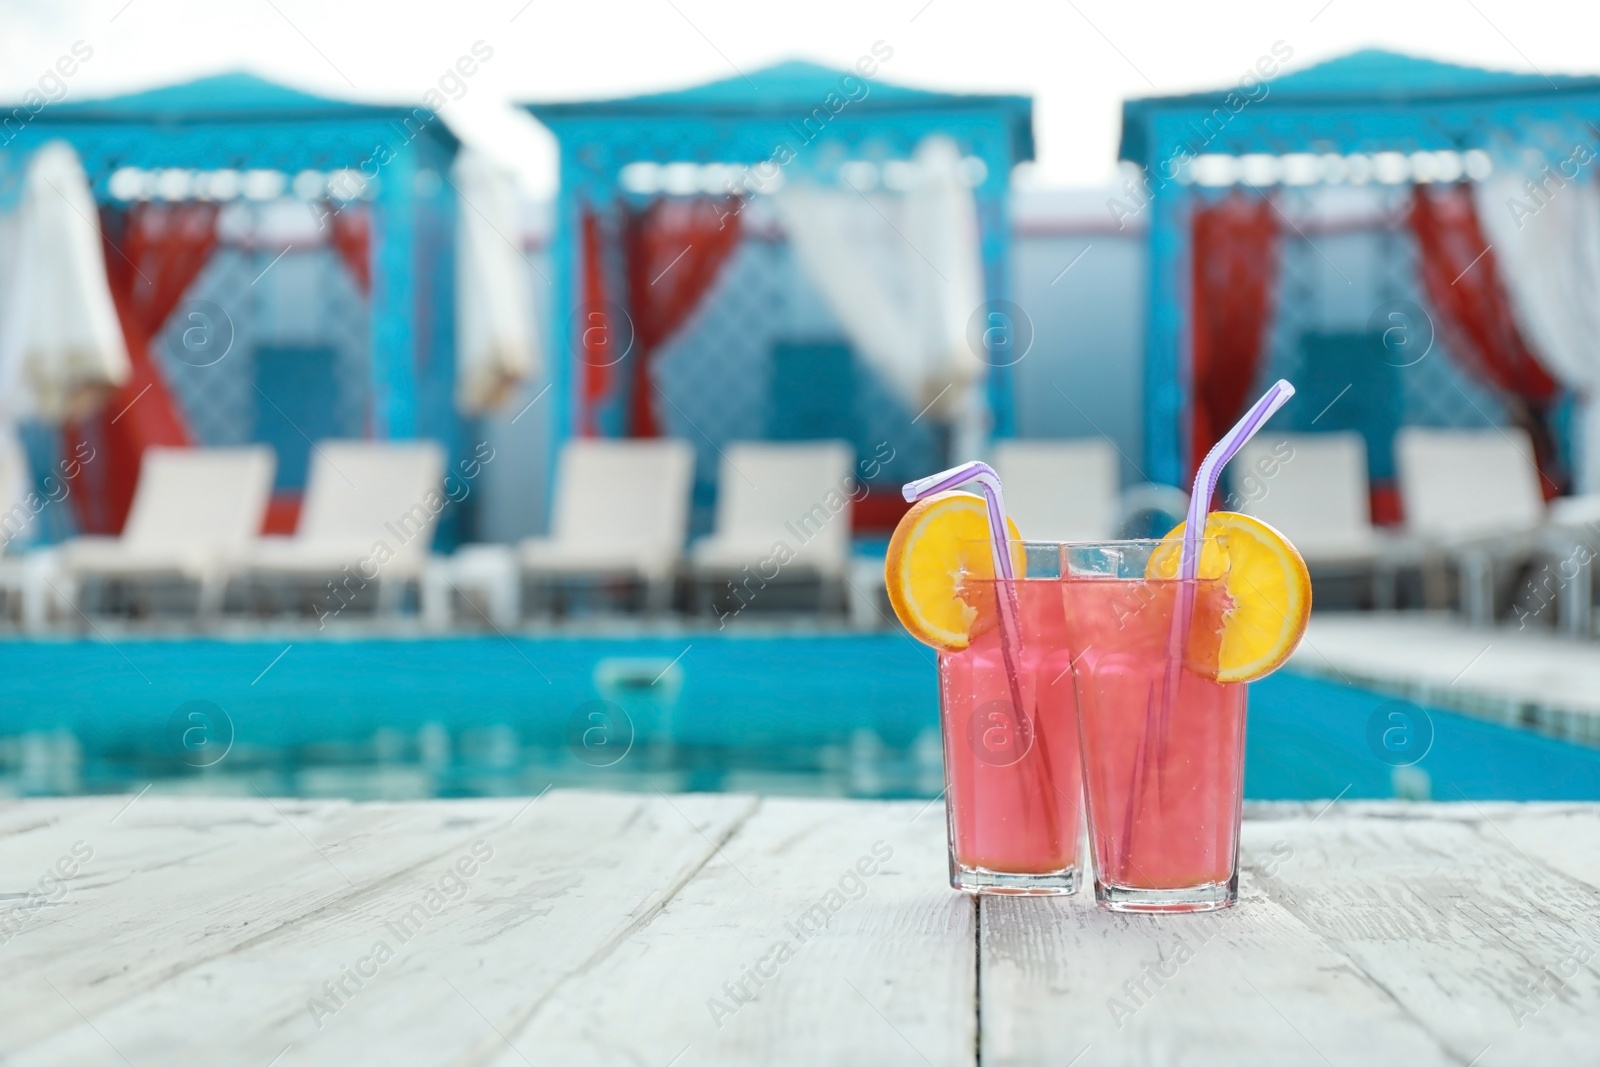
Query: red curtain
x,y
351,237
1463,284
152,251
675,248
595,340
1235,270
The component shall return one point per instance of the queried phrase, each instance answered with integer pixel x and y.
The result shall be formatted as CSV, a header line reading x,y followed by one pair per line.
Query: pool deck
x,y
668,931
1531,678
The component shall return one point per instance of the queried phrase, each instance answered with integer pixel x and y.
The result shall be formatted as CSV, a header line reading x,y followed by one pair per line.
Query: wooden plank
x,y
1563,837
1065,982
830,936
604,928
502,911
1493,952
160,885
19,818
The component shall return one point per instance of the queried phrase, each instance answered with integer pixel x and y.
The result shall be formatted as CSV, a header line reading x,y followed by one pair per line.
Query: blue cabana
x,y
376,178
242,122
1371,116
798,121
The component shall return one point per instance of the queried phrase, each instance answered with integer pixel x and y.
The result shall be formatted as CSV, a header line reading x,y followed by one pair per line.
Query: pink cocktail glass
x,y
1162,739
1013,779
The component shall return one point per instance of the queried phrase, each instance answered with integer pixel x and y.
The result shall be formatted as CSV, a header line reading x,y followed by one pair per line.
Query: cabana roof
x,y
790,90
1325,98
236,96
236,119
1375,74
781,89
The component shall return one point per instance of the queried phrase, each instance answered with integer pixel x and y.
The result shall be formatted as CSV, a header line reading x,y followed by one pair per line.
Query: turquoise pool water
x,y
843,715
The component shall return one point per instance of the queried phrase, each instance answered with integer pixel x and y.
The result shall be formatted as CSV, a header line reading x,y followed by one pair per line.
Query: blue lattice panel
x,y
244,303
204,351
721,382
1333,287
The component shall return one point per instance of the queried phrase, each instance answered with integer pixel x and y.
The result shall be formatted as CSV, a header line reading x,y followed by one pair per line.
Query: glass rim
x,y
1077,561
1105,543
1082,577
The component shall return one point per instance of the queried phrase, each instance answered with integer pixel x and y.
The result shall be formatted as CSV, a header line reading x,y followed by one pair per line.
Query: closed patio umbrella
x,y
61,347
496,347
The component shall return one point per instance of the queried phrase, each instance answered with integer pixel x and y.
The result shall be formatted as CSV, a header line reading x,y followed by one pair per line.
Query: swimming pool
x,y
852,715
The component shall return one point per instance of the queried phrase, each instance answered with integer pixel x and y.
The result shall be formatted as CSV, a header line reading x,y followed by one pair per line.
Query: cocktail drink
x,y
1163,737
1159,638
1164,636
1012,771
965,584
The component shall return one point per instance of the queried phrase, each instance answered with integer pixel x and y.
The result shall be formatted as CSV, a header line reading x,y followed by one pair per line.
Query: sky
x,y
1079,59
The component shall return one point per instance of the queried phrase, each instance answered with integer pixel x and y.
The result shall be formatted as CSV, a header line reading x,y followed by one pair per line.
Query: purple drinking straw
x,y
1205,484
1010,626
1210,472
989,482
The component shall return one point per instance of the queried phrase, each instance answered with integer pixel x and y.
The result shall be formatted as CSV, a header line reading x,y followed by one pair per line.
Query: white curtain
x,y
61,346
903,273
13,464
1550,265
496,344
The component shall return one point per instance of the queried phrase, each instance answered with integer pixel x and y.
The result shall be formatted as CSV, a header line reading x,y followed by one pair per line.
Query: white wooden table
x,y
653,930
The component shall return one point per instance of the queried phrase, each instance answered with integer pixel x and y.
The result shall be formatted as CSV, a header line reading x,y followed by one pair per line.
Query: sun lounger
x,y
1063,490
1314,488
784,509
1570,546
369,515
621,512
1472,496
194,512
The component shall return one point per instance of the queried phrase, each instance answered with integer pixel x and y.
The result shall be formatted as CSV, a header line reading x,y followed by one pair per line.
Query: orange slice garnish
x,y
937,561
1267,582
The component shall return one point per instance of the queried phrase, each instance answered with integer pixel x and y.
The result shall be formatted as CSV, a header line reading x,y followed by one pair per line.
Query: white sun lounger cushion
x,y
1063,490
797,496
361,495
1311,487
620,507
1460,485
193,508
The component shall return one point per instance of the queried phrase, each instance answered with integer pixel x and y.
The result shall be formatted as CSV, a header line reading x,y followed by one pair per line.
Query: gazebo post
x,y
995,241
394,301
1166,355
564,376
435,205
